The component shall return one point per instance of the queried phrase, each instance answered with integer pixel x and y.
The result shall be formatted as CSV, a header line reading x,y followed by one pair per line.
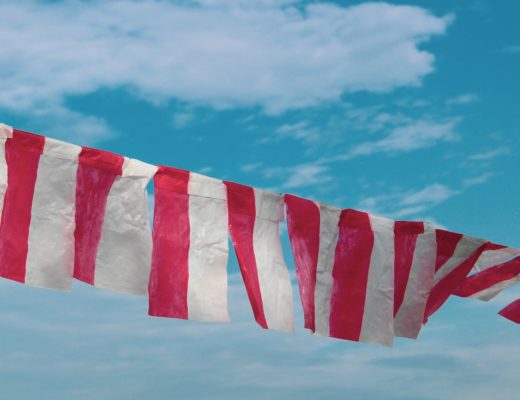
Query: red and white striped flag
x,y
254,224
113,243
512,311
362,297
313,232
495,270
344,262
190,251
38,181
456,256
414,270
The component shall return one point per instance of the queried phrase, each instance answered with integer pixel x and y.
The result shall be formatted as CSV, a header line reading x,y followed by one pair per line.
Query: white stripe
x,y
273,275
465,248
378,315
491,258
125,248
6,131
50,257
329,218
409,318
208,254
490,292
3,172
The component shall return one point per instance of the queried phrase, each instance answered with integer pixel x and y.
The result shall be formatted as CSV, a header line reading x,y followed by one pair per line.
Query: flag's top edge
x,y
6,131
54,147
269,205
138,169
205,186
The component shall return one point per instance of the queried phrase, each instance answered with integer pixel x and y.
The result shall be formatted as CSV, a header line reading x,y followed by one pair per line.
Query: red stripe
x,y
303,223
97,171
446,245
512,311
22,154
242,216
168,287
450,283
405,234
489,277
350,274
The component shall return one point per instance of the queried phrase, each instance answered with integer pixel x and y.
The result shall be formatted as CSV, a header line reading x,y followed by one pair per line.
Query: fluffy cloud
x,y
272,54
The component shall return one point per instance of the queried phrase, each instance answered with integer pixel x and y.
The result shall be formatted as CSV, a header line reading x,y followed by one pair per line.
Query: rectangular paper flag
x,y
362,297
254,219
190,247
37,226
414,270
456,256
496,269
113,242
313,232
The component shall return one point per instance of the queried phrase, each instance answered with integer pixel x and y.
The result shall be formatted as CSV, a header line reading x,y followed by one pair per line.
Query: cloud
x,y
513,49
60,122
399,204
119,352
300,175
300,131
463,99
405,138
431,194
251,167
490,154
478,180
276,55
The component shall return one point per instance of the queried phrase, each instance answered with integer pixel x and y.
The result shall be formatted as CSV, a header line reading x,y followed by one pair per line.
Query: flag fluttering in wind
x,y
71,212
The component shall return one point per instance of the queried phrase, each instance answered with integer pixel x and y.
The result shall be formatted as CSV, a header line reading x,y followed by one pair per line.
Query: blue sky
x,y
408,110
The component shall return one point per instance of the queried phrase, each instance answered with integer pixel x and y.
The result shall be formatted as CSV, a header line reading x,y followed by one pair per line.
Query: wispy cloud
x,y
251,167
490,154
405,138
399,204
463,99
478,180
513,49
300,176
276,55
302,131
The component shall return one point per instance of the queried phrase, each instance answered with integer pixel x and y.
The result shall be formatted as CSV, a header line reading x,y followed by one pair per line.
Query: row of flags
x,y
71,212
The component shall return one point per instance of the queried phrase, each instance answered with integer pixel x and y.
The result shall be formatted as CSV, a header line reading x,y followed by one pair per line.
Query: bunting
x,y
190,252
71,212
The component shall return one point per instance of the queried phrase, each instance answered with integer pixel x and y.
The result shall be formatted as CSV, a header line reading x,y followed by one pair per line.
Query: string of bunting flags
x,y
72,212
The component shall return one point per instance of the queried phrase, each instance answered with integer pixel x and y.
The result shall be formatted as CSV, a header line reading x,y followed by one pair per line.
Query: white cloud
x,y
60,122
463,99
490,154
301,131
205,170
431,194
251,167
299,176
269,54
400,204
478,180
120,352
405,138
513,49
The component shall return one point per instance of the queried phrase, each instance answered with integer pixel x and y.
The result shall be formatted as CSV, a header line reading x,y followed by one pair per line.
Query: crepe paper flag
x,y
190,251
